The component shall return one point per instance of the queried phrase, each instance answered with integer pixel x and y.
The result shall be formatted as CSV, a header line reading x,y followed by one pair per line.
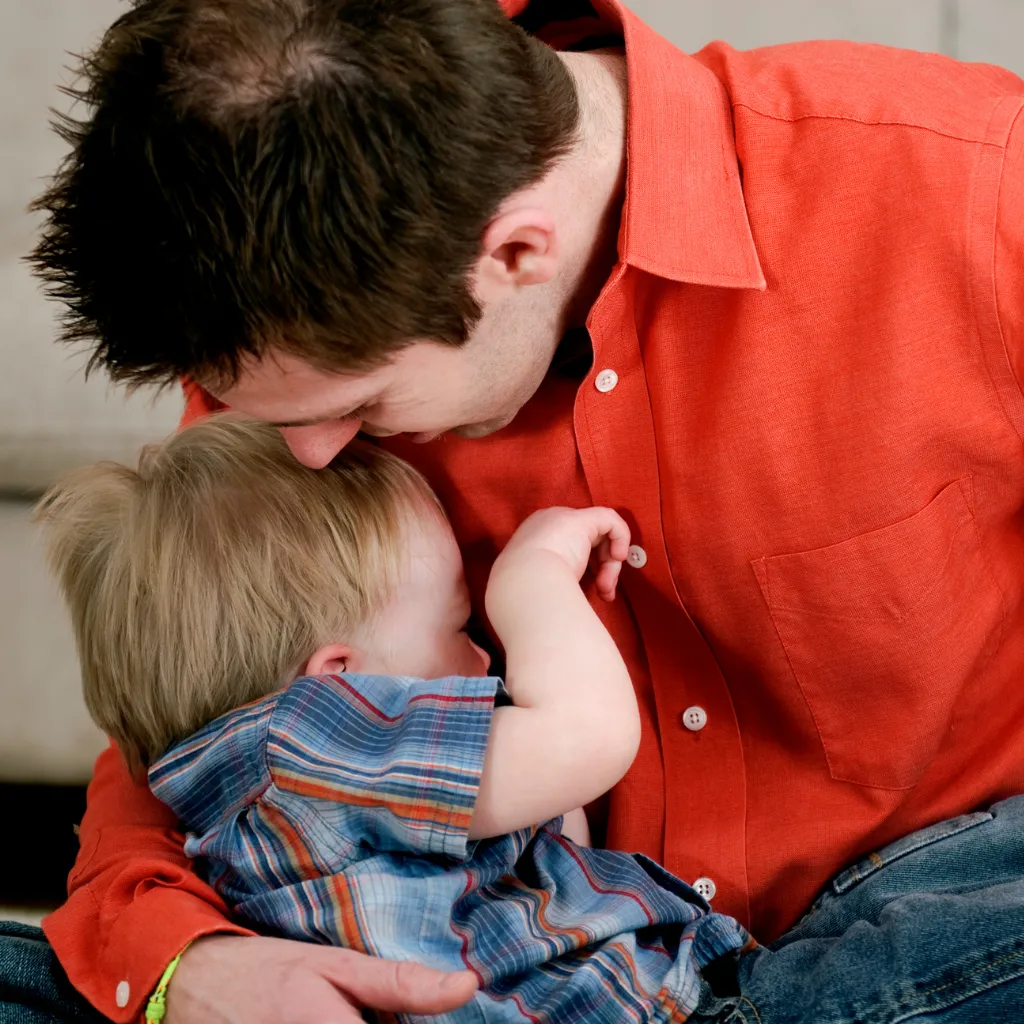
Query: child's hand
x,y
597,537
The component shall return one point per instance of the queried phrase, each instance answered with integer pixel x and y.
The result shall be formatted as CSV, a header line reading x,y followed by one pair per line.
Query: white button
x,y
123,994
695,718
705,887
606,380
636,556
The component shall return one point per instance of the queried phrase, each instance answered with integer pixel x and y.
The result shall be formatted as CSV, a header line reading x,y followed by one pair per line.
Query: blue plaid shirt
x,y
337,811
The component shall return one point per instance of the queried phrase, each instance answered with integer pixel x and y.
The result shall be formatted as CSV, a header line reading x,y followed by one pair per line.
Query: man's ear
x,y
520,247
332,660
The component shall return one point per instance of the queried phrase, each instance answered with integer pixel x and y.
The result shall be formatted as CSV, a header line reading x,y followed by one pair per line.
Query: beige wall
x,y
978,30
49,417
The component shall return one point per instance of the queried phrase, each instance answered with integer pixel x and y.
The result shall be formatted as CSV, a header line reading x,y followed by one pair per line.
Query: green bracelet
x,y
157,1005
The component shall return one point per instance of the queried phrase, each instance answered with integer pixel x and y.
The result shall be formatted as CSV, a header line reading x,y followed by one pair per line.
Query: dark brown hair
x,y
312,176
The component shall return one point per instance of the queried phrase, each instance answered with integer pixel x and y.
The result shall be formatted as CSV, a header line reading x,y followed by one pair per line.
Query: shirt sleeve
x,y
134,901
391,763
1009,251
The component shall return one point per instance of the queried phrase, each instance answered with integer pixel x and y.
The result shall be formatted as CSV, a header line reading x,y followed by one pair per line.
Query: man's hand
x,y
232,979
597,537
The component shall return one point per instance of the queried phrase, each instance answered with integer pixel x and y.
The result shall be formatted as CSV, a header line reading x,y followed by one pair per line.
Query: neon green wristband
x,y
157,1005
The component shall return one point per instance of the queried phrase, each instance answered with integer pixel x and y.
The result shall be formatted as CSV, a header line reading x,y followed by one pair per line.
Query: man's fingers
x,y
397,987
244,980
317,1001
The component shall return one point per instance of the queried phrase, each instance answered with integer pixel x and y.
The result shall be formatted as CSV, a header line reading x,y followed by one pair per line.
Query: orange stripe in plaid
x,y
425,811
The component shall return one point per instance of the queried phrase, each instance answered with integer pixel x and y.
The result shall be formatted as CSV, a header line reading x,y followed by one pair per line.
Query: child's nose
x,y
315,446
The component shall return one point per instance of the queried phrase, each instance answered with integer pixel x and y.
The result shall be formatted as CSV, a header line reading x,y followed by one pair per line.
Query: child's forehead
x,y
427,531
429,545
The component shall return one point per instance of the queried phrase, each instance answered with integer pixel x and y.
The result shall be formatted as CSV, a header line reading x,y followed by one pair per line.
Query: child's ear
x,y
332,660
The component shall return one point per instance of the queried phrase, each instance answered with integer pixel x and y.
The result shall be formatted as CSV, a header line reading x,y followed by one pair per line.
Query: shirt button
x,y
695,718
636,556
122,995
606,380
706,887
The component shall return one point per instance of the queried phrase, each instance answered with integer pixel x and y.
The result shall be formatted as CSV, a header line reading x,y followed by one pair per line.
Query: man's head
x,y
327,181
221,569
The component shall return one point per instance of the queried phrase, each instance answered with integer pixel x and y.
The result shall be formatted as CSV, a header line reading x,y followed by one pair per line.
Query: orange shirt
x,y
805,398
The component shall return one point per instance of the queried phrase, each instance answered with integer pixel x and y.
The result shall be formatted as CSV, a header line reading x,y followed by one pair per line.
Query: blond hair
x,y
202,580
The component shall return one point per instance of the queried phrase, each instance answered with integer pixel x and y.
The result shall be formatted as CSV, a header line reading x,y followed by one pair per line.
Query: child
x,y
285,651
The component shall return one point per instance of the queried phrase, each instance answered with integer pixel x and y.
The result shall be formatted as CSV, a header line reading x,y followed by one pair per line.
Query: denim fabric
x,y
33,988
929,929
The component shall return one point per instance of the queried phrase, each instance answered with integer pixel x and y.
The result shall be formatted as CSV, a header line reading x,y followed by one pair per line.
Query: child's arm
x,y
574,728
576,827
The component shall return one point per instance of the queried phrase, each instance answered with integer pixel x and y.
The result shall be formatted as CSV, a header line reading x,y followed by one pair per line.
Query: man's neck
x,y
593,177
584,192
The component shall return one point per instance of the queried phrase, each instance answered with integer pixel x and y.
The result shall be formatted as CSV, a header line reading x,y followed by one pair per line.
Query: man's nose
x,y
315,446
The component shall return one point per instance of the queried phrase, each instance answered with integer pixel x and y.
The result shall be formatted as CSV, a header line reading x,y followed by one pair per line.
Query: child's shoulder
x,y
381,699
313,721
220,768
367,719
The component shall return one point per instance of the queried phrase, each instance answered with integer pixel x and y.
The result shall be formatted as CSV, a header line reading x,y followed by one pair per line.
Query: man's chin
x,y
469,431
473,431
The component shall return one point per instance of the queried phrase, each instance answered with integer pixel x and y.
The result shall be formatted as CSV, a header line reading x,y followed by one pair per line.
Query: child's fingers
x,y
618,538
608,531
610,539
608,578
606,570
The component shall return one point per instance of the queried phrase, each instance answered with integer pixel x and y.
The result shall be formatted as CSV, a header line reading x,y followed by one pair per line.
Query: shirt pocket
x,y
883,632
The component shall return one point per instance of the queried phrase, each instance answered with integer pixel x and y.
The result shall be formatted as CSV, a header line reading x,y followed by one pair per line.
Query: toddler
x,y
285,652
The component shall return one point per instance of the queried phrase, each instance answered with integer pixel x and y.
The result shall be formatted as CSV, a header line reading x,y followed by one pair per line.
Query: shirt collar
x,y
684,217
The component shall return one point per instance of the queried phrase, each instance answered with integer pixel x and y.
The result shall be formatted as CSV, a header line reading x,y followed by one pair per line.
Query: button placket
x,y
619,455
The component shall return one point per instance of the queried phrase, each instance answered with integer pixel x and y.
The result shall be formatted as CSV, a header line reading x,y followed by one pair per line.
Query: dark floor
x,y
39,842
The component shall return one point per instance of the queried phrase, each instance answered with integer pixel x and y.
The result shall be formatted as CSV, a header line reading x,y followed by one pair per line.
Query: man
x,y
799,274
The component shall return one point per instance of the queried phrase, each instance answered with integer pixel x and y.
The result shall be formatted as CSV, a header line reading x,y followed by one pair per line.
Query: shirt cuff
x,y
119,975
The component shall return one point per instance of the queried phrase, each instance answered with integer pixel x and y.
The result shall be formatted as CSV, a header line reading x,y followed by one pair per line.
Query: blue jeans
x,y
33,988
930,930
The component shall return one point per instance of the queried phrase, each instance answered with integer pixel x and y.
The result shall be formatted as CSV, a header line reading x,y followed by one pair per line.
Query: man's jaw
x,y
427,436
468,431
473,431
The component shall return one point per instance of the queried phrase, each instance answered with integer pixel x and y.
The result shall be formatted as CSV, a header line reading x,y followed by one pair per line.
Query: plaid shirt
x,y
337,811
